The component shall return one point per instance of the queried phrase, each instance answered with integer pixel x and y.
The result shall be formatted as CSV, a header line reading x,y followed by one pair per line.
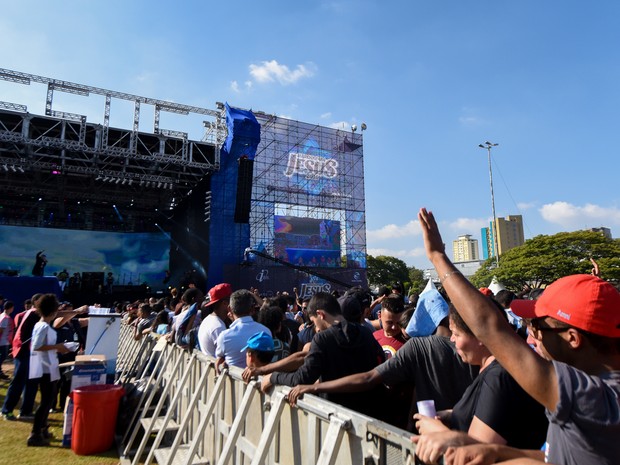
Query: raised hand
x,y
433,243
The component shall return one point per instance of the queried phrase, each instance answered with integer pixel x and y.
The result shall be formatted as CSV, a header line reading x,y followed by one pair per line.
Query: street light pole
x,y
488,146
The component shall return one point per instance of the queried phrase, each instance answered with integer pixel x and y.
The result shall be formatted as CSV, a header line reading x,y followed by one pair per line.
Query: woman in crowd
x,y
494,409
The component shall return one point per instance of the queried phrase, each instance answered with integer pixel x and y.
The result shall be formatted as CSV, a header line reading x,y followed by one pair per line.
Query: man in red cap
x,y
214,323
575,374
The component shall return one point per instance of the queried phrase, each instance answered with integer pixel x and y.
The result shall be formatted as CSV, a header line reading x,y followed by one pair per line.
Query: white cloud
x,y
234,86
249,84
392,231
469,117
270,71
469,120
326,115
342,125
526,205
146,77
403,254
573,216
469,225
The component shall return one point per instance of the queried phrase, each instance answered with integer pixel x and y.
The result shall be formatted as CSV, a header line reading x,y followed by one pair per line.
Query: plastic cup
x,y
427,408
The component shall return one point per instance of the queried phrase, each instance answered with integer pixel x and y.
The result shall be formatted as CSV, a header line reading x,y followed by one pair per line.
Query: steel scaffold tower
x,y
291,179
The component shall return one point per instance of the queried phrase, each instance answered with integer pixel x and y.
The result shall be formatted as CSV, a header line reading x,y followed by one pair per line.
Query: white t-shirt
x,y
209,330
43,361
6,323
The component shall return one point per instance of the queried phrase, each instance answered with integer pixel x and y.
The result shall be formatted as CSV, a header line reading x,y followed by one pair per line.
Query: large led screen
x,y
307,241
132,258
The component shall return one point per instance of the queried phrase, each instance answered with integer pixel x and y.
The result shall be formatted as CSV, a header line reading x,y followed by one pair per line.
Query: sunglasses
x,y
536,330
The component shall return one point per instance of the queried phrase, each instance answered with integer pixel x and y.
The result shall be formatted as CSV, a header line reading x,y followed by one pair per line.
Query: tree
x,y
416,280
386,270
543,259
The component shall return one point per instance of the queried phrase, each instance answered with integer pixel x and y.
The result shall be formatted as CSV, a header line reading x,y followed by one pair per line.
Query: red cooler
x,y
94,417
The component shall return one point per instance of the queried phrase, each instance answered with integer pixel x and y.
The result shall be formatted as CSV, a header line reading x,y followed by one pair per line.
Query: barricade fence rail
x,y
188,414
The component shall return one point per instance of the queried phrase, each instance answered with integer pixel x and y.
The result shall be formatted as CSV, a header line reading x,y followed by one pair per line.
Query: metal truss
x,y
340,198
97,162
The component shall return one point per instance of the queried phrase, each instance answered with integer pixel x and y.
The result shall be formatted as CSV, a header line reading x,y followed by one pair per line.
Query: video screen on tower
x,y
307,241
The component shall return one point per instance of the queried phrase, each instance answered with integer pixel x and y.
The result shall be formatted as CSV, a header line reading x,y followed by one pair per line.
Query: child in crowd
x,y
259,350
44,366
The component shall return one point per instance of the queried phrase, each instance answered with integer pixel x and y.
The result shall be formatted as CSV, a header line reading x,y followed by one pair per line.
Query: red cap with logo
x,y
219,292
582,300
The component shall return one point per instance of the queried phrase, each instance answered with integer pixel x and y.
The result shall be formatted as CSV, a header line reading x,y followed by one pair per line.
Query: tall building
x,y
603,230
509,235
465,248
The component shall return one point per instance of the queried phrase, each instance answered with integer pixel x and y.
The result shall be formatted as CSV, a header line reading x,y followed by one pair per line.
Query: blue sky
x,y
431,80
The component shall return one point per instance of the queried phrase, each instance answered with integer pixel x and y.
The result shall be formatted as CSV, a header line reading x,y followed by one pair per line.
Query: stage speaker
x,y
244,190
92,280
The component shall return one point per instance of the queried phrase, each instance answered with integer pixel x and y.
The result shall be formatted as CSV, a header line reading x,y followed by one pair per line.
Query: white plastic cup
x,y
427,408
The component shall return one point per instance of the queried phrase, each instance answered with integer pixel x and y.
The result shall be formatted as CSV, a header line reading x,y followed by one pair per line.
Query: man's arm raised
x,y
533,373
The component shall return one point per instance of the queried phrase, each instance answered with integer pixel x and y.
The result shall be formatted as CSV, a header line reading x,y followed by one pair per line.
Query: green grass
x,y
13,436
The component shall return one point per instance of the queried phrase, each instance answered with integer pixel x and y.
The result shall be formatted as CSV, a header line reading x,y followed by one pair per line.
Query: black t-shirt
x,y
341,350
498,401
431,364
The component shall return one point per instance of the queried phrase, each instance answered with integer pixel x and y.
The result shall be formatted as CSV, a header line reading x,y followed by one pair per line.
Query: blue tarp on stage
x,y
227,239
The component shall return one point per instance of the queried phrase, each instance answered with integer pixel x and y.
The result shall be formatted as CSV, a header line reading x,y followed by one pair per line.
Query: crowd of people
x,y
514,379
524,378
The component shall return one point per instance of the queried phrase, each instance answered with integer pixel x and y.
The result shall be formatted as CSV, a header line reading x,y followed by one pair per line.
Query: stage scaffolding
x,y
60,165
309,171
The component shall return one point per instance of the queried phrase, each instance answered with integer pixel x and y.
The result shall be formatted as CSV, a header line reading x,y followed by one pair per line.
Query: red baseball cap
x,y
582,300
219,292
486,291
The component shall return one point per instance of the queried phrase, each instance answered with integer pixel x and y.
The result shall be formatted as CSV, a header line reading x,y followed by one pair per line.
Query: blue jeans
x,y
20,383
4,351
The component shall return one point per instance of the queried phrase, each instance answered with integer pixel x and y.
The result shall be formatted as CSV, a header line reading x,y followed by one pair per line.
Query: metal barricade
x,y
206,418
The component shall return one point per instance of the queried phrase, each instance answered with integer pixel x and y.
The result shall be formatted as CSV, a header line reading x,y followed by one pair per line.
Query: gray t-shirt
x,y
584,429
433,366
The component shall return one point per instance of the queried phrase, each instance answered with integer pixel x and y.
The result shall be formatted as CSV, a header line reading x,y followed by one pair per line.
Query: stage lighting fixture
x,y
141,183
354,128
21,170
364,127
40,198
13,169
130,182
159,185
6,168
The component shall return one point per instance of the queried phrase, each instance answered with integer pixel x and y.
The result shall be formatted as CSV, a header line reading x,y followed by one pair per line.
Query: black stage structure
x,y
213,198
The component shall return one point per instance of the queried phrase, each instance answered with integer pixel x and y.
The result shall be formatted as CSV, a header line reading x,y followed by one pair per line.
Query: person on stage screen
x,y
39,265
